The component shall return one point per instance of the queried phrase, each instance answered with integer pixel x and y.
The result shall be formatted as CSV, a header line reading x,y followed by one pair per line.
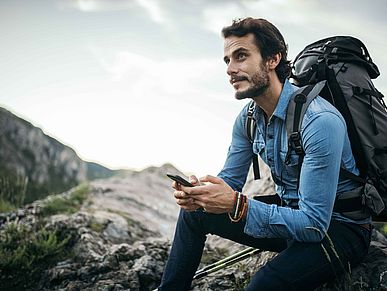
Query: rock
x,y
3,217
116,226
123,267
12,216
143,198
123,252
114,247
21,213
100,264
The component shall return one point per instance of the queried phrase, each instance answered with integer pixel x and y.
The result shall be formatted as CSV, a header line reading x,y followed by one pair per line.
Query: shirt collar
x,y
283,101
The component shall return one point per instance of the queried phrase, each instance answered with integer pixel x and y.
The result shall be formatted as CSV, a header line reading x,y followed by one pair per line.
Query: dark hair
x,y
268,39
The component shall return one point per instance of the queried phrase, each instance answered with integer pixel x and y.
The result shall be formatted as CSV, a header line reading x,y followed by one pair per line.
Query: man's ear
x,y
274,60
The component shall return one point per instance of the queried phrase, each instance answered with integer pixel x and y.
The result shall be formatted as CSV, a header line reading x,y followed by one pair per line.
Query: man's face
x,y
248,72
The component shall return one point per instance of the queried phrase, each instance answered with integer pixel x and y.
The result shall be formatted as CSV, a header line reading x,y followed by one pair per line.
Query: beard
x,y
259,84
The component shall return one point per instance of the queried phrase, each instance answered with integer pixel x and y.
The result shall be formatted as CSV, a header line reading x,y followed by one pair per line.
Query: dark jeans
x,y
298,266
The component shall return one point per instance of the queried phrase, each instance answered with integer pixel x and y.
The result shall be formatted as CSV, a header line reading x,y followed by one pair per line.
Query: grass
x,y
241,282
97,227
381,227
12,192
67,205
80,193
6,206
26,253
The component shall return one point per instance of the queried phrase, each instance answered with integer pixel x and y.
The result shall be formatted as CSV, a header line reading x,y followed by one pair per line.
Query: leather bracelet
x,y
236,195
244,212
240,209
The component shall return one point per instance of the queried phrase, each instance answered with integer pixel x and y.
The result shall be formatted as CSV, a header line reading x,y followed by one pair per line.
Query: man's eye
x,y
241,56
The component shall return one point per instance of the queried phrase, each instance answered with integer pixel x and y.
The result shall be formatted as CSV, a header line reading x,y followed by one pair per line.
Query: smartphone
x,y
180,180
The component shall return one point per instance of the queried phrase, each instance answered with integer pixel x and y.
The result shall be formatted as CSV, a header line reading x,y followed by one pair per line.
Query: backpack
x,y
340,70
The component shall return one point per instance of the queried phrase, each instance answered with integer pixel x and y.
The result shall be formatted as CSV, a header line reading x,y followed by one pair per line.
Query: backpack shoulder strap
x,y
250,121
251,126
295,114
297,107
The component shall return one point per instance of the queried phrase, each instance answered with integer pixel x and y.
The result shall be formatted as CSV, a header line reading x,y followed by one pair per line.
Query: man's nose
x,y
232,69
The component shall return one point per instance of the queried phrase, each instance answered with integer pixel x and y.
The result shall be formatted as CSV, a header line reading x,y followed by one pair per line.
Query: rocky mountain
x,y
29,155
114,233
118,238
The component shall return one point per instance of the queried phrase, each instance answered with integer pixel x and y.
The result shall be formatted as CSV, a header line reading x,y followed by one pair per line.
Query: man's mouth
x,y
237,79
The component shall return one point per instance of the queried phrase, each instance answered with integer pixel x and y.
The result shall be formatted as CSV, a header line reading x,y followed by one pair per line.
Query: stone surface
x,y
121,238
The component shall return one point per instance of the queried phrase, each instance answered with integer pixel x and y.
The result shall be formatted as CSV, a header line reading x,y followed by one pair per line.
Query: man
x,y
315,244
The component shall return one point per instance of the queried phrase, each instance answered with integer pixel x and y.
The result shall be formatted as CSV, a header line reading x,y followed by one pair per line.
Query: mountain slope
x,y
28,154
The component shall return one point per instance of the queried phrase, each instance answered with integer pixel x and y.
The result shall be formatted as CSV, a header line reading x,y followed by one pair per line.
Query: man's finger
x,y
199,203
211,179
195,190
193,180
175,185
184,202
180,195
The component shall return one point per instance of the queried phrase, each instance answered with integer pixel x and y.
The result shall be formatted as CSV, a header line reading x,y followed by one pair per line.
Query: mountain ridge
x,y
48,165
115,234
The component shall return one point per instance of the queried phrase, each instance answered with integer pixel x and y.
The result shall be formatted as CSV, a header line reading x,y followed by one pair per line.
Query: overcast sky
x,y
133,83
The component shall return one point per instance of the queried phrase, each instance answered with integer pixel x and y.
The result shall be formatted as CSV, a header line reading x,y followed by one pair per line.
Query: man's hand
x,y
216,196
184,200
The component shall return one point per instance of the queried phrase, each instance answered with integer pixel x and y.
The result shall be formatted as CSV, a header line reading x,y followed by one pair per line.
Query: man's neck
x,y
269,99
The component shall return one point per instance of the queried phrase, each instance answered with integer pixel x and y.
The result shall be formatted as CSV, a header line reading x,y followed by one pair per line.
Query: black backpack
x,y
340,70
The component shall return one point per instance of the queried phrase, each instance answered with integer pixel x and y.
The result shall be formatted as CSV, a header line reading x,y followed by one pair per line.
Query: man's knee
x,y
267,279
192,220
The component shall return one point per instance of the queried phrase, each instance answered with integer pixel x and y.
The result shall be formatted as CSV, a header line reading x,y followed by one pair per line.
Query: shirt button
x,y
270,136
270,160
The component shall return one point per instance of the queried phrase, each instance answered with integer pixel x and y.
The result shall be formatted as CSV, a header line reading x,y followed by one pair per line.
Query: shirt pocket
x,y
290,168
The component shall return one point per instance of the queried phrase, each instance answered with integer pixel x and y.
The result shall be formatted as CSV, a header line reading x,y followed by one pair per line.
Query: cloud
x,y
96,5
216,17
196,82
152,7
327,15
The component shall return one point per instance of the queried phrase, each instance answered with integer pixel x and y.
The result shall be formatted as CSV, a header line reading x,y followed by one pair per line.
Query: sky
x,y
138,83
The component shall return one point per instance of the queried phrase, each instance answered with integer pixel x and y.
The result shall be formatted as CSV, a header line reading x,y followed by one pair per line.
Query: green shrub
x,y
58,205
97,227
72,204
80,193
26,253
6,206
12,192
381,227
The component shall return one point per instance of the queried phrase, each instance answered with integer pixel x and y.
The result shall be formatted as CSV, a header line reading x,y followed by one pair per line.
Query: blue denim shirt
x,y
326,145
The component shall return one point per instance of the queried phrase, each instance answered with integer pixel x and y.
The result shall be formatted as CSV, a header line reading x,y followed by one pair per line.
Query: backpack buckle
x,y
300,98
299,150
295,138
